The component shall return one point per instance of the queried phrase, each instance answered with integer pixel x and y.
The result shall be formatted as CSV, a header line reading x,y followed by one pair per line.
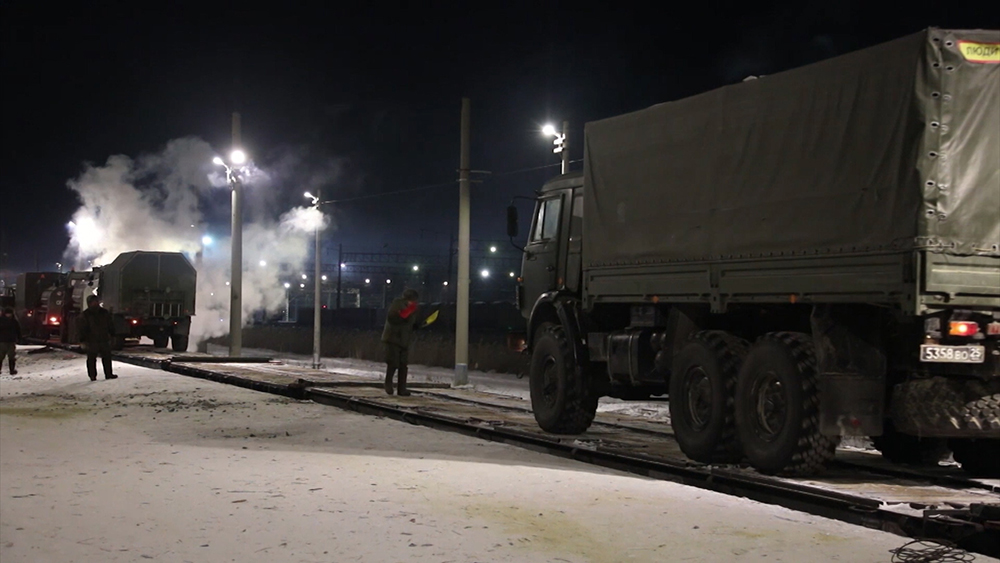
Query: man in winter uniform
x,y
10,333
400,322
97,328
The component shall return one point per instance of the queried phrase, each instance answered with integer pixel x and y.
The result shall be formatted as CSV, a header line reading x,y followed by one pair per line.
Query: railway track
x,y
934,503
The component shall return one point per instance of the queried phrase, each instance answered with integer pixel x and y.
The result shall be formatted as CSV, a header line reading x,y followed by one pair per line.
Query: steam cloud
x,y
157,203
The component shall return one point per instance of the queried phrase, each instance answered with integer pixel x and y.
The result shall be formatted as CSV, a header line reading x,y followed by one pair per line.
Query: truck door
x,y
542,251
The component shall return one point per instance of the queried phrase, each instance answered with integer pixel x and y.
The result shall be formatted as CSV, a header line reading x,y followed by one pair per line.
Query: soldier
x,y
97,328
400,322
10,333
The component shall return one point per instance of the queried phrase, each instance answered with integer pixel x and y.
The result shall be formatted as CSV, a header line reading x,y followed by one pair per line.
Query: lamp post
x,y
316,283
236,158
561,142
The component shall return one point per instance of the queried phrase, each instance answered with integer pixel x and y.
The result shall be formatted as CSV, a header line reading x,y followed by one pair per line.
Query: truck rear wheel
x,y
180,343
561,402
160,341
702,386
978,457
777,407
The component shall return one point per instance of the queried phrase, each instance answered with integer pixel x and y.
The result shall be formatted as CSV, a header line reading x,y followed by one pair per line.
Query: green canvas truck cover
x,y
143,282
891,148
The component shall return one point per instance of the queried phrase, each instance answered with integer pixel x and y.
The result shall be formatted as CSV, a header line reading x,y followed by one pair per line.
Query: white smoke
x,y
156,203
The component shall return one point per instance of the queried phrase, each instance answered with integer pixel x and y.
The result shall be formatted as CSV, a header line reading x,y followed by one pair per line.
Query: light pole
x,y
236,158
561,142
316,282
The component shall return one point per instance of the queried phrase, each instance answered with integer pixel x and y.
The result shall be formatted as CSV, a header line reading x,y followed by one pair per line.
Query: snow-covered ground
x,y
155,466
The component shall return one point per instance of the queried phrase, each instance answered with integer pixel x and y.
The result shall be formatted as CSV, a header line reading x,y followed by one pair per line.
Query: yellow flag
x,y
431,318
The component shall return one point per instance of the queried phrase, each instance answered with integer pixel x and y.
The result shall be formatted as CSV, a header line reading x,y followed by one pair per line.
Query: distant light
x,y
549,130
368,280
206,240
192,226
493,249
485,273
213,295
512,274
446,283
302,285
342,265
218,161
287,285
304,277
388,281
263,263
227,283
324,278
238,157
416,268
308,195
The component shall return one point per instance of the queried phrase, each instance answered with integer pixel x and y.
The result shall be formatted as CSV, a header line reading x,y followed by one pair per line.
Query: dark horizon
x,y
366,102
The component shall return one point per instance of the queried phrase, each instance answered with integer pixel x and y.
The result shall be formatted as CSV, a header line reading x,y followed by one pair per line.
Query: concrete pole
x,y
340,271
236,279
565,147
462,291
317,296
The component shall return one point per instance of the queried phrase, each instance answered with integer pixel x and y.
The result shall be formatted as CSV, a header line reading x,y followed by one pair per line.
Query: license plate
x,y
953,354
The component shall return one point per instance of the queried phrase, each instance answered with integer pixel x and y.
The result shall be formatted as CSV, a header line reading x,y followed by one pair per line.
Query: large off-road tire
x,y
978,457
912,450
180,343
160,341
777,407
561,402
702,387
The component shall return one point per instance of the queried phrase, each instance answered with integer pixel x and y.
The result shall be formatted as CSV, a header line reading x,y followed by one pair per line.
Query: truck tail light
x,y
135,321
54,320
963,328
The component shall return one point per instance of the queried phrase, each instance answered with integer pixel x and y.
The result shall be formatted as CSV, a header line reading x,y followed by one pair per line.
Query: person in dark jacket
x,y
400,321
97,328
10,334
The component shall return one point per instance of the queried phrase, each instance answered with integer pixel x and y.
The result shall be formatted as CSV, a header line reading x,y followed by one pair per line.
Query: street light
x,y
317,317
485,273
561,142
416,268
263,263
206,240
236,158
493,249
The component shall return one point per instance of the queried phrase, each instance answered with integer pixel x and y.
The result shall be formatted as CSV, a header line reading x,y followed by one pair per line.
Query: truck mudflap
x,y
940,407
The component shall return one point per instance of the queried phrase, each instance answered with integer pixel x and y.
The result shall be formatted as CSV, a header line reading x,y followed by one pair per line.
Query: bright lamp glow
x,y
512,274
308,195
446,283
217,161
287,285
368,280
549,130
416,268
206,240
238,157
263,263
324,278
485,273
388,281
304,277
493,249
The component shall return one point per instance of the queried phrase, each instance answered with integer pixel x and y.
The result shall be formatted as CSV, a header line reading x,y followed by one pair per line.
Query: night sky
x,y
364,98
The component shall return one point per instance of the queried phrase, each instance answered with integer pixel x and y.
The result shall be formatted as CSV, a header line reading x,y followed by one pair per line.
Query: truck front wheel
x,y
562,402
777,407
702,384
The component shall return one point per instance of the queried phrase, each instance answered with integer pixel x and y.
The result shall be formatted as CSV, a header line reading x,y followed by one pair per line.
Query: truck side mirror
x,y
511,221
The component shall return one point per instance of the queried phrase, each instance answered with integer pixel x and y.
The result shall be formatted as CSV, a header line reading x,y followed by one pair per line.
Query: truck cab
x,y
552,254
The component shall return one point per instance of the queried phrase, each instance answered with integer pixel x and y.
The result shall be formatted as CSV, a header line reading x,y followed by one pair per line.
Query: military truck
x,y
792,259
31,303
150,294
